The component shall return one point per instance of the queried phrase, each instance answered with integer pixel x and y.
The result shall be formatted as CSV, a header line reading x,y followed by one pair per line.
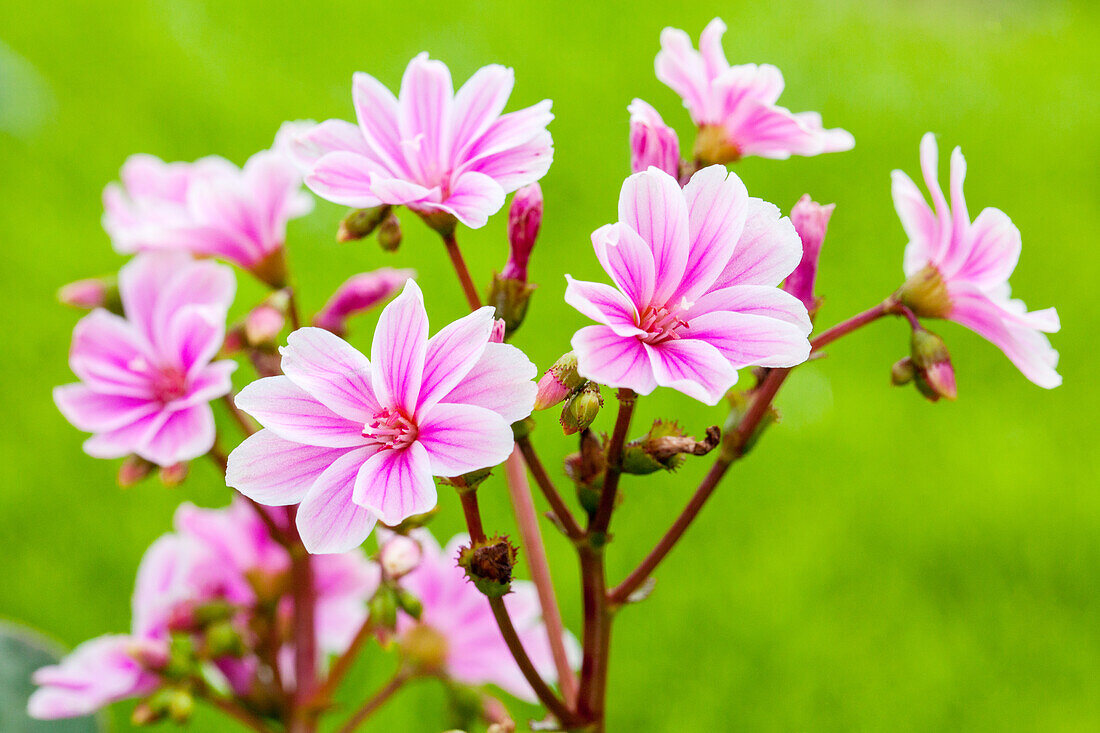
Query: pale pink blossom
x,y
353,441
652,142
209,208
95,674
360,293
453,608
810,220
146,380
735,107
697,272
959,269
439,152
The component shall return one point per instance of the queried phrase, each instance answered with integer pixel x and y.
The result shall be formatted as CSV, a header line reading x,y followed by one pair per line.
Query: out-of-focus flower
x,y
959,270
697,272
360,293
652,142
735,107
445,155
354,441
146,380
89,294
458,624
810,220
209,208
95,674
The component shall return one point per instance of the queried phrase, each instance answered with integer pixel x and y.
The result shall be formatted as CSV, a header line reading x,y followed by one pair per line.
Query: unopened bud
x,y
399,556
96,292
174,475
409,603
389,233
933,364
652,142
510,298
144,714
383,607
424,648
133,469
263,324
361,222
559,381
581,409
360,293
489,565
180,706
235,341
223,640
810,220
587,469
902,372
524,220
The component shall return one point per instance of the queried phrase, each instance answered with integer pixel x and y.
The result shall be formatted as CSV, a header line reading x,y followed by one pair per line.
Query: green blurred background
x,y
878,563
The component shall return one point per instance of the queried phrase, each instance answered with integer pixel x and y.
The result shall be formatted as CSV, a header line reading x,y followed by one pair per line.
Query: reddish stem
x,y
305,633
462,271
542,480
602,519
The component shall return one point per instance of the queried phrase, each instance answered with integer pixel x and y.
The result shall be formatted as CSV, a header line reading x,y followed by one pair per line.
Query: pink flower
x,y
97,673
147,379
473,651
209,208
696,271
652,142
360,293
524,220
810,220
959,269
735,106
438,152
354,440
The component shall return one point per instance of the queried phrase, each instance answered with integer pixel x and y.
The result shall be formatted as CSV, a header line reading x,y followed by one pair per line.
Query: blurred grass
x,y
879,563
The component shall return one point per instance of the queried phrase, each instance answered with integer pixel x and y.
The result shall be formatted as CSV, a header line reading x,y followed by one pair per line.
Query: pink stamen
x,y
391,429
169,384
660,324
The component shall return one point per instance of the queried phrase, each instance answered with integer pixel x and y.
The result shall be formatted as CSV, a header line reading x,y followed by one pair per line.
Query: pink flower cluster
x,y
354,440
215,556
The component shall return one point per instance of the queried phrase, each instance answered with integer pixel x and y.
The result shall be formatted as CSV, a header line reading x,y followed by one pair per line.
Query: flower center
x,y
660,324
169,384
392,429
925,293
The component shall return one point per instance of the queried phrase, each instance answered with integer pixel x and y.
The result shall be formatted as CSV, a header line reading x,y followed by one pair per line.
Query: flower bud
x,y
489,565
389,233
933,364
902,372
263,324
559,381
810,221
496,336
510,298
180,706
424,648
96,292
133,469
587,469
581,409
223,640
360,293
399,556
524,220
361,222
144,714
652,142
174,475
409,603
383,607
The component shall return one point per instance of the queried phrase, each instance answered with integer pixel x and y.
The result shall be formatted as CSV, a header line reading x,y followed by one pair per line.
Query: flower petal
x,y
604,304
327,519
293,414
917,220
452,353
769,249
474,197
332,371
500,381
653,205
760,300
517,166
126,439
93,411
717,204
185,434
478,104
424,109
277,472
614,360
628,260
693,367
345,178
399,348
396,484
993,250
745,339
329,136
111,356
464,438
376,111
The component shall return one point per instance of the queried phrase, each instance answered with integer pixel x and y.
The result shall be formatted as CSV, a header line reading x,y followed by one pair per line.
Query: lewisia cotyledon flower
x,y
209,207
434,150
735,107
652,142
810,220
354,440
146,380
696,271
459,624
95,674
959,269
